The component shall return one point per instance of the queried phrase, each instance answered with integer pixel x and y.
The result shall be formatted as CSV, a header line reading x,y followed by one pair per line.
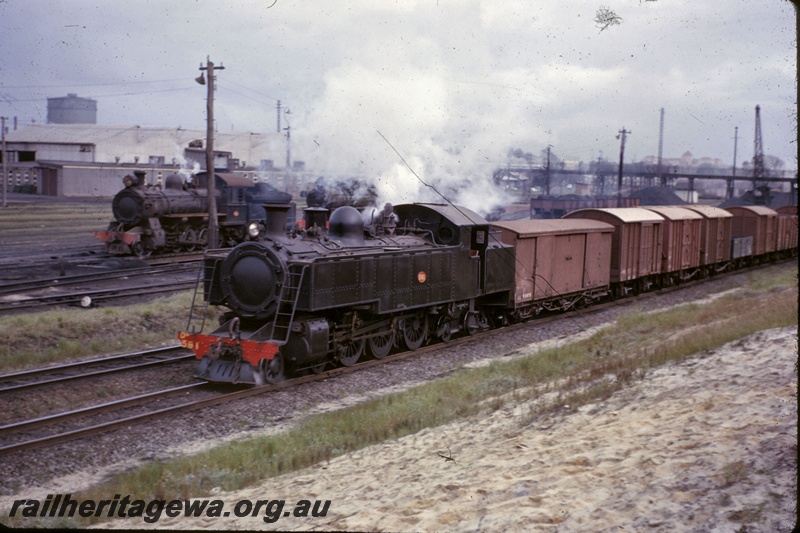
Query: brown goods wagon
x,y
741,247
557,257
787,210
755,221
635,244
715,239
786,232
681,238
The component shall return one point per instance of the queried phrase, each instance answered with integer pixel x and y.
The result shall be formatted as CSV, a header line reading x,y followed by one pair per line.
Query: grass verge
x,y
63,335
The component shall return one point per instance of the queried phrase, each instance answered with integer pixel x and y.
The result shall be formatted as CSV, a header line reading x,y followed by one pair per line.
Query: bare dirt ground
x,y
707,444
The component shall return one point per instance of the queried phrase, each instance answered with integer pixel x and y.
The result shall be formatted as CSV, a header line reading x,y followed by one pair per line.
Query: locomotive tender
x,y
150,219
418,273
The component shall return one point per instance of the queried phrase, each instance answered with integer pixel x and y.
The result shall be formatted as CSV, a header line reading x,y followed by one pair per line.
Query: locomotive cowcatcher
x,y
297,302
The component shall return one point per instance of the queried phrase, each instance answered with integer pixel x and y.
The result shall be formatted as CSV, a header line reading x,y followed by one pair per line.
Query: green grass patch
x,y
62,335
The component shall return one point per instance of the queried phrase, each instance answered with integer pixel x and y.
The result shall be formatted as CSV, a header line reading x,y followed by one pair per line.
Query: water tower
x,y
71,109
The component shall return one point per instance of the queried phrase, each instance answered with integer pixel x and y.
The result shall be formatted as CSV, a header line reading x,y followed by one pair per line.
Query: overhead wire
x,y
517,262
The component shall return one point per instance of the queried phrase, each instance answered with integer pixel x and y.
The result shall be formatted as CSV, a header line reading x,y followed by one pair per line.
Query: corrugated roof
x,y
111,141
623,214
674,213
755,209
709,211
531,228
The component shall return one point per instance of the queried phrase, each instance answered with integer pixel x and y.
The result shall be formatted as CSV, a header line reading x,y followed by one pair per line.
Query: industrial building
x,y
90,159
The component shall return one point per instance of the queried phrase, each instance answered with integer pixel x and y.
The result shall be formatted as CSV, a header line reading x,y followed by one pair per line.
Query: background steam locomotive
x,y
423,272
150,219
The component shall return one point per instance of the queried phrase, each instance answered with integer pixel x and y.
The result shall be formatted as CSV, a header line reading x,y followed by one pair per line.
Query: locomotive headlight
x,y
127,181
254,229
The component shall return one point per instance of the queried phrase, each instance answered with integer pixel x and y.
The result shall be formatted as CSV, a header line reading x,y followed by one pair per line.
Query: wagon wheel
x,y
444,328
415,329
189,237
472,323
380,346
350,352
138,249
273,369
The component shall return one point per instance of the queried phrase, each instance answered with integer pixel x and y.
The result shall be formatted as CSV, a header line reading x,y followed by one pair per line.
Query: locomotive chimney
x,y
140,174
315,216
277,214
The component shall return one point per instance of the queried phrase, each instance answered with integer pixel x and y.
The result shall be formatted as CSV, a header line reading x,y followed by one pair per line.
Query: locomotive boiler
x,y
412,273
174,218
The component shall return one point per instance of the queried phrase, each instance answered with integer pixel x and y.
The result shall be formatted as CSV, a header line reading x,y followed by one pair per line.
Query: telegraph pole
x,y
622,133
730,186
5,174
210,174
288,129
661,180
547,174
278,107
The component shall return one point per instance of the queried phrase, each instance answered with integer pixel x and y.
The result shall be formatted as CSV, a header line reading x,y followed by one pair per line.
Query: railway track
x,y
30,379
54,429
60,427
20,255
84,289
16,287
88,298
50,430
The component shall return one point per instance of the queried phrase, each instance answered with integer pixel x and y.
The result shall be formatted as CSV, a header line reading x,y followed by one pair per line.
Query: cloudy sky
x,y
449,86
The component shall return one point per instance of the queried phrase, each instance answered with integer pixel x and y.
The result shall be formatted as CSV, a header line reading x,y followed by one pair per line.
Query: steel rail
x,y
33,302
44,283
93,373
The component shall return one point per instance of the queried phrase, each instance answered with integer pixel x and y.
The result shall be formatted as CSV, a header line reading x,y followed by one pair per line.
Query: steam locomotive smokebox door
x,y
308,345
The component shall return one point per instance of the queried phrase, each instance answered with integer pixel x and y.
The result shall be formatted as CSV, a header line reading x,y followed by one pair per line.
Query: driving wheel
x,y
350,352
380,346
415,329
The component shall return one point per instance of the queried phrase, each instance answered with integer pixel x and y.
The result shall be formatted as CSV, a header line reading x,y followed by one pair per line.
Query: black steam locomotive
x,y
174,218
330,296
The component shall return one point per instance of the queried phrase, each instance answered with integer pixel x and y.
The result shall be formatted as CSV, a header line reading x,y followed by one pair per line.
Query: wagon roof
x,y
709,211
674,212
228,178
623,214
755,209
532,228
234,180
